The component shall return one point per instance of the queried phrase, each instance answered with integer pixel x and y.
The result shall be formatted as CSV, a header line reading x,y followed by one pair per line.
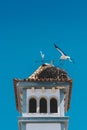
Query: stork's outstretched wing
x,y
59,49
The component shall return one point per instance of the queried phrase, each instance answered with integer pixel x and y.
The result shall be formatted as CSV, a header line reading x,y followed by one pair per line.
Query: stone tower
x,y
43,98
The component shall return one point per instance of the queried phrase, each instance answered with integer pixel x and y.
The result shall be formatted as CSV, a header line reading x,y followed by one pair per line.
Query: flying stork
x,y
63,55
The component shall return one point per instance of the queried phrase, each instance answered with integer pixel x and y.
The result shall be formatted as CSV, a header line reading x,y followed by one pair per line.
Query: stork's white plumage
x,y
63,55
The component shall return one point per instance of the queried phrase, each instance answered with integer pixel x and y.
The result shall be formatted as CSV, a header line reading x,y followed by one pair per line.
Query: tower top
x,y
48,76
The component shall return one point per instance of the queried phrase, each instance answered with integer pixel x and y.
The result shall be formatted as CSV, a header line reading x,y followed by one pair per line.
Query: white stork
x,y
63,55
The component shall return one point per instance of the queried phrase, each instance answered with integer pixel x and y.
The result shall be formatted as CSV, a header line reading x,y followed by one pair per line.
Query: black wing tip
x,y
55,45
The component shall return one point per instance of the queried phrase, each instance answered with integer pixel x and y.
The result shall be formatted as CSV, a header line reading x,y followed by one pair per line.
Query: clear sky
x,y
28,26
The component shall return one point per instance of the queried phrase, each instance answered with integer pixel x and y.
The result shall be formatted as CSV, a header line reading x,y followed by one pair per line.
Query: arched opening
x,y
53,105
43,105
32,105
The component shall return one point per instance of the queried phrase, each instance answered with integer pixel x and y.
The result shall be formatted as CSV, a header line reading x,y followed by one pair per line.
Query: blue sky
x,y
26,27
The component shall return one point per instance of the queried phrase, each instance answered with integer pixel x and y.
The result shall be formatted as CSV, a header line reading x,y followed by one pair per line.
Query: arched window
x,y
32,105
43,105
53,105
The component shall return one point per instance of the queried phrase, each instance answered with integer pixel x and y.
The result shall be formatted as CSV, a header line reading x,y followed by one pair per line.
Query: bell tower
x,y
43,99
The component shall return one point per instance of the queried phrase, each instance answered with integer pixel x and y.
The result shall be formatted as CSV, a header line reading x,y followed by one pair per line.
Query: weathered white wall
x,y
43,126
48,94
62,103
39,93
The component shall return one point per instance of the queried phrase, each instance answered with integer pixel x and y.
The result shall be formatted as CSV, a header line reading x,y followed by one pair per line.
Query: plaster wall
x,y
40,93
47,94
45,126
